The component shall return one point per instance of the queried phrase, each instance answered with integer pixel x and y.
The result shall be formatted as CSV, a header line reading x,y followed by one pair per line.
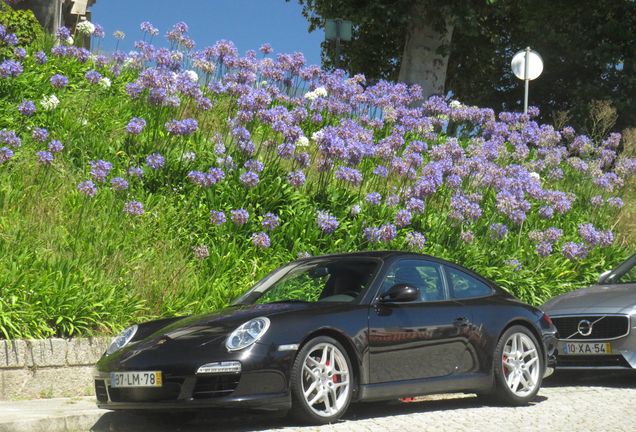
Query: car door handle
x,y
461,322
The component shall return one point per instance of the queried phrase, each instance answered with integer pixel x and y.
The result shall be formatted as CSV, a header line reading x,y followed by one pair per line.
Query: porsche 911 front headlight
x,y
247,334
122,339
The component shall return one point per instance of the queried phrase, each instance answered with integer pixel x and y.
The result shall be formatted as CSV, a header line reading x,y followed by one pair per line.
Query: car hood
x,y
219,323
617,298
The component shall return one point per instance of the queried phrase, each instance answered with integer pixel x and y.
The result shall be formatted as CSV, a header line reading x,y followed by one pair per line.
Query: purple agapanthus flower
x,y
44,157
303,255
296,178
134,208
254,165
261,240
403,218
11,39
93,77
27,108
135,172
498,231
200,252
415,206
40,134
10,138
326,222
543,249
135,126
589,234
569,250
607,238
371,234
249,179
40,57
467,236
155,161
373,198
119,184
62,33
5,154
10,68
217,217
615,202
387,233
514,262
87,188
597,201
240,216
415,240
100,169
270,221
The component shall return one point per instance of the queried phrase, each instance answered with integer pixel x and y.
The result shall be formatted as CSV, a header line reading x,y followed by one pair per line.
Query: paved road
x,y
567,402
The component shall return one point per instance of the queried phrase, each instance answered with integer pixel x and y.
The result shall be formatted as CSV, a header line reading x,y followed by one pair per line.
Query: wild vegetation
x,y
165,181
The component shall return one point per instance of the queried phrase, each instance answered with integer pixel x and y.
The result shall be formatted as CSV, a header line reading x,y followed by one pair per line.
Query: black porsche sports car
x,y
319,333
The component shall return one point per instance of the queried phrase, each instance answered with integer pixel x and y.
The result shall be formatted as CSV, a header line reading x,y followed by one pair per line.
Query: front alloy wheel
x,y
518,366
321,381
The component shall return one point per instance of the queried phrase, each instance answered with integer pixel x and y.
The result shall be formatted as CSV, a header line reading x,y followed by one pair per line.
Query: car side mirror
x,y
400,292
602,276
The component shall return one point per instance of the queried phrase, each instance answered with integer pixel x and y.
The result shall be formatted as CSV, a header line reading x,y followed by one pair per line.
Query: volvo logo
x,y
585,328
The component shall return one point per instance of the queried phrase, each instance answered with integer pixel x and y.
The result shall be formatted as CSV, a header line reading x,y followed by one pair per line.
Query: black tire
x,y
518,367
321,382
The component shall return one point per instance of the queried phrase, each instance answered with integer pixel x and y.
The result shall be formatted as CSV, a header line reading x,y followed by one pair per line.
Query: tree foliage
x,y
587,48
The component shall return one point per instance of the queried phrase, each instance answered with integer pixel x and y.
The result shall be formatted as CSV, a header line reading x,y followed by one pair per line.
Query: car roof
x,y
382,254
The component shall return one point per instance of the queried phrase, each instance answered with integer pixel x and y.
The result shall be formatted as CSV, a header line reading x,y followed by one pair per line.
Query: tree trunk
x,y
420,62
47,12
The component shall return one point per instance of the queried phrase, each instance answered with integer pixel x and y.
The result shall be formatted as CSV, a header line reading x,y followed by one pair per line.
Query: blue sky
x,y
247,23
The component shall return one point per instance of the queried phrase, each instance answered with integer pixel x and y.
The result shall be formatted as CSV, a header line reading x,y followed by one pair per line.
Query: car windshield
x,y
624,273
321,280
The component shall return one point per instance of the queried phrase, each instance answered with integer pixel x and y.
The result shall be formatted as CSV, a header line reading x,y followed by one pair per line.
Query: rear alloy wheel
x,y
321,382
518,367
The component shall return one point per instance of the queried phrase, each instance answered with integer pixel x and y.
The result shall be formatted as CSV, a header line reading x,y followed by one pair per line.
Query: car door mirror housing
x,y
603,276
400,292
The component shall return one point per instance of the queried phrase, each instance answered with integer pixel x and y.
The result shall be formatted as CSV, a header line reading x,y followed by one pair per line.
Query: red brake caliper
x,y
335,378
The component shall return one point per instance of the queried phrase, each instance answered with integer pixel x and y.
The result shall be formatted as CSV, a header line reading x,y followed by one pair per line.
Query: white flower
x,y
86,27
104,82
49,103
303,141
535,175
455,104
317,135
310,96
321,91
192,76
69,41
188,157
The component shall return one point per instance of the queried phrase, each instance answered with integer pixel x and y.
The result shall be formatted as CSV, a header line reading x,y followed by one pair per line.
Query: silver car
x,y
597,325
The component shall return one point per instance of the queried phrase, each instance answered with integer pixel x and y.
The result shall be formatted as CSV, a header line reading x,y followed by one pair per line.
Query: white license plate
x,y
586,348
135,379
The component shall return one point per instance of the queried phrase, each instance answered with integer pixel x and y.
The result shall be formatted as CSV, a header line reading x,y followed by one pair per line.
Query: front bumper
x,y
262,383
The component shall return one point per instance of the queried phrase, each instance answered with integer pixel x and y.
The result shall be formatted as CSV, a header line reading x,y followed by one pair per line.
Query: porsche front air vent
x,y
215,386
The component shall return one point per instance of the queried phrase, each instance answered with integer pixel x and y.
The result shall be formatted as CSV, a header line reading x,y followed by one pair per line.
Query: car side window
x,y
628,277
424,275
464,285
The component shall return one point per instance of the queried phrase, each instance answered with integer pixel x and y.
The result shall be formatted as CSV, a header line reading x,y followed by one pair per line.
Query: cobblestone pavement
x,y
573,403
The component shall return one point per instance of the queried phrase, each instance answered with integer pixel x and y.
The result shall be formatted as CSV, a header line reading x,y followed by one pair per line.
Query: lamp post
x,y
338,29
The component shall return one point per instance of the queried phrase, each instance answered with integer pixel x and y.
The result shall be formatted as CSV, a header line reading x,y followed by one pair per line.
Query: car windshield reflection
x,y
336,280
